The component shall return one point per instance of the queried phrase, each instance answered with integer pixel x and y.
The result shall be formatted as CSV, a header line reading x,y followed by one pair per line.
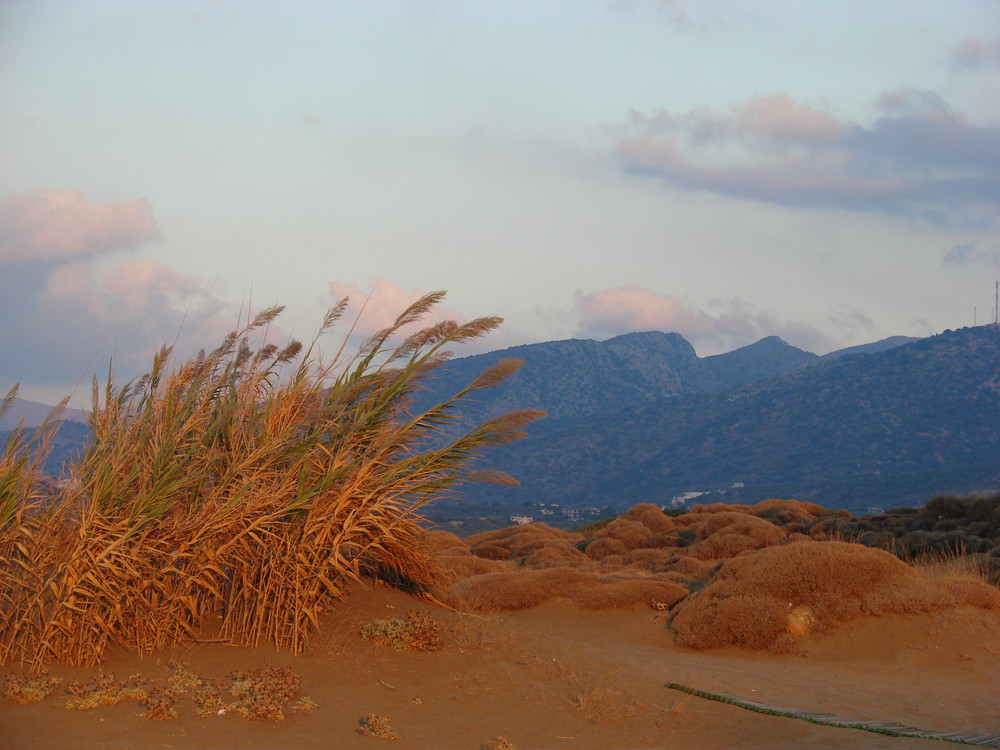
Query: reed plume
x,y
224,485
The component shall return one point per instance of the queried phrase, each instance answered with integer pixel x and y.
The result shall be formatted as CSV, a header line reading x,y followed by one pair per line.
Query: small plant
x,y
418,632
265,693
160,704
374,725
22,688
104,690
500,743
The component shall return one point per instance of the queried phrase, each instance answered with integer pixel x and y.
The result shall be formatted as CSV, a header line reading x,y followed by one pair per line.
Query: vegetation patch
x,y
416,632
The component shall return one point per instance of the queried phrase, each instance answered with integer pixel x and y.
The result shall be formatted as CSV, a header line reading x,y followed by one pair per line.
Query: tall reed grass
x,y
241,484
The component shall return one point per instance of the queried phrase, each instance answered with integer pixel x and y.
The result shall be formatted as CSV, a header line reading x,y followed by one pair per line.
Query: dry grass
x,y
241,484
759,600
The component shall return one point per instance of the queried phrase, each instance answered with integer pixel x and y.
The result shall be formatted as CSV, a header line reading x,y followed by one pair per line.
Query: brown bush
x,y
517,589
491,552
605,546
709,508
650,516
464,564
748,600
656,560
669,539
784,512
692,568
725,535
629,593
439,539
555,553
629,533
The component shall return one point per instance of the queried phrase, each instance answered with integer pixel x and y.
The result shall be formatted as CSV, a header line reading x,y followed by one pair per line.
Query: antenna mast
x,y
996,302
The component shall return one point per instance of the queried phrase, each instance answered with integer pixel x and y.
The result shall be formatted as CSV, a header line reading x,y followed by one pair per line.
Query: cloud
x,y
49,225
77,316
736,323
973,53
379,307
969,253
918,158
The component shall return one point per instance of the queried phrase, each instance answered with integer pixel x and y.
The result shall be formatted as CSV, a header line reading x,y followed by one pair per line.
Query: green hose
x,y
892,730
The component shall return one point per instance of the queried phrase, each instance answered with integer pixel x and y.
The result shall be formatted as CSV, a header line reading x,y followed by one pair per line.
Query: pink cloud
x,y
49,225
918,158
379,307
631,308
974,52
142,304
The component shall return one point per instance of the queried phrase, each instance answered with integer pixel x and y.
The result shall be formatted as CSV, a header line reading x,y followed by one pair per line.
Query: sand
x,y
557,676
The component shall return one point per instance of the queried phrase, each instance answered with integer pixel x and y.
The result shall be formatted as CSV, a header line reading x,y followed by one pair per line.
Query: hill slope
x,y
888,428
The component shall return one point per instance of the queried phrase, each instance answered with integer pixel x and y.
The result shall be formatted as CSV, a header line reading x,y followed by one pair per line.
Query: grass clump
x,y
375,725
23,688
252,482
417,632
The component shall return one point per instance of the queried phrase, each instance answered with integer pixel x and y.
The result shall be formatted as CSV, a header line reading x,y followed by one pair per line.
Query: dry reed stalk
x,y
223,486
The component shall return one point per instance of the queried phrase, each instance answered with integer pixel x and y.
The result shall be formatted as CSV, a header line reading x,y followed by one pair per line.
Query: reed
x,y
248,483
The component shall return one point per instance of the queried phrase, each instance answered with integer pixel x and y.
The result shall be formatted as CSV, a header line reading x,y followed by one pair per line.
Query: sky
x,y
824,171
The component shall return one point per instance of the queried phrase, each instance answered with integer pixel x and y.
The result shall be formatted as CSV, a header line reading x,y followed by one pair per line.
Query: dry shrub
x,y
518,541
669,539
748,601
517,590
629,593
491,552
655,560
376,725
417,632
725,535
242,484
439,540
604,547
650,516
462,563
785,512
554,554
692,568
629,533
709,508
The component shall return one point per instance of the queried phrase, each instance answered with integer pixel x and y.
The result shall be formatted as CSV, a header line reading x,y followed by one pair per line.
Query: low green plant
x,y
417,631
375,725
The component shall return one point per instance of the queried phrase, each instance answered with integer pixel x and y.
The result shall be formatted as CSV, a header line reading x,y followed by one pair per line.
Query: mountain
x,y
31,414
67,445
578,377
876,346
767,358
887,428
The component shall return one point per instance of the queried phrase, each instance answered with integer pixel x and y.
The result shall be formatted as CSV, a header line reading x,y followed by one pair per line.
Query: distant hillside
x,y
31,414
67,446
578,378
888,428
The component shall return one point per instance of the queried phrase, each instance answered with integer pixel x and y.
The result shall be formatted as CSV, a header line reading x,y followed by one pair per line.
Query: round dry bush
x,y
554,554
491,552
692,568
719,508
656,560
750,622
619,594
439,539
741,523
837,581
726,535
463,565
669,539
517,590
784,512
629,533
650,516
604,546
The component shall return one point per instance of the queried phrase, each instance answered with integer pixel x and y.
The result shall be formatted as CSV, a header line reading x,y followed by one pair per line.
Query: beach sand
x,y
557,676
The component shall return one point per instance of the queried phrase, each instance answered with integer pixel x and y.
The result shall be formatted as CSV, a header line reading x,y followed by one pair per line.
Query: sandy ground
x,y
559,677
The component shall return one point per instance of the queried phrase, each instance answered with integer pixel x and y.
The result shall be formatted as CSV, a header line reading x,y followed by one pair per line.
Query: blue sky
x,y
828,172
